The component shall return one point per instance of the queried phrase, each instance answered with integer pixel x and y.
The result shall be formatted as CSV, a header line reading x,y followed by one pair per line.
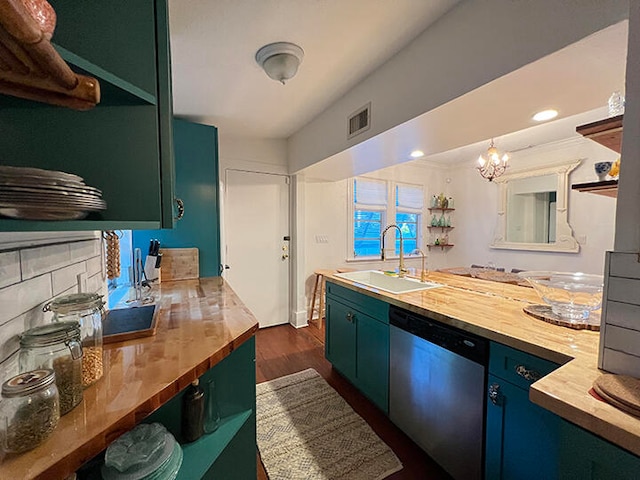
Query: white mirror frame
x,y
565,241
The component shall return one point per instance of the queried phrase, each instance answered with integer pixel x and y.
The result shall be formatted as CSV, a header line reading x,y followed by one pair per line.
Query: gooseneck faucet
x,y
401,270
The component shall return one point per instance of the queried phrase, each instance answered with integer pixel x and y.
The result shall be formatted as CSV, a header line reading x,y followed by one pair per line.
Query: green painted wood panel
x,y
340,332
117,35
585,456
369,305
522,439
196,153
372,359
235,379
503,362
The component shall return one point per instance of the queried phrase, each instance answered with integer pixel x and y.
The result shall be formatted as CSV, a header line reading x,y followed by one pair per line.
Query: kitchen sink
x,y
388,283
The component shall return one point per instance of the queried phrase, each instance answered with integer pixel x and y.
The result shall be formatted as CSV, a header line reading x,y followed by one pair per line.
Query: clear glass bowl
x,y
572,296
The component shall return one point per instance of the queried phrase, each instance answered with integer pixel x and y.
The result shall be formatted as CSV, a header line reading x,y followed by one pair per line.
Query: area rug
x,y
307,431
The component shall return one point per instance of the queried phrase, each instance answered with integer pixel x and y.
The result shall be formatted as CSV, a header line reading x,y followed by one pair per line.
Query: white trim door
x,y
257,249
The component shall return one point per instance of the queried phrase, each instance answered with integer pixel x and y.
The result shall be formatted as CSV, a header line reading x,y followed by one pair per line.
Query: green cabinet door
x,y
522,438
340,331
585,456
372,359
196,152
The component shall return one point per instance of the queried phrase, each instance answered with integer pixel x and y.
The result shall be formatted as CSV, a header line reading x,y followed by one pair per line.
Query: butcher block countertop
x,y
200,323
494,311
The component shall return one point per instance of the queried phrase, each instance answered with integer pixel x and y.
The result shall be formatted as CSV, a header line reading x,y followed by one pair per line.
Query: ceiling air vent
x,y
360,121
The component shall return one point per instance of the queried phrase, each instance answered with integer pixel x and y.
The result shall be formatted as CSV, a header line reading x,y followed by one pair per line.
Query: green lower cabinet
x,y
340,342
357,341
585,456
522,438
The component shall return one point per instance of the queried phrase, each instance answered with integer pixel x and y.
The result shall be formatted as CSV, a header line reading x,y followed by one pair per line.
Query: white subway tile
x,y
9,341
67,277
85,250
94,265
95,283
22,297
9,367
36,261
9,268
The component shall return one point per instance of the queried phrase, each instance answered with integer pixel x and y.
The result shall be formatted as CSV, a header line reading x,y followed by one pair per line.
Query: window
x,y
371,212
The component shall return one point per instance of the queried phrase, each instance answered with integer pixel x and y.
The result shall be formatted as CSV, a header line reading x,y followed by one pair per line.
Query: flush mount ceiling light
x,y
494,165
545,115
280,60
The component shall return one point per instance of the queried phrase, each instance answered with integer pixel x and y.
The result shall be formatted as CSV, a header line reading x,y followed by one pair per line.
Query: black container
x,y
193,407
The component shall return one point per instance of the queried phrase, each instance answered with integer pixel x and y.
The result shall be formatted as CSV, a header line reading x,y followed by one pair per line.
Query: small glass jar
x,y
30,410
88,310
55,346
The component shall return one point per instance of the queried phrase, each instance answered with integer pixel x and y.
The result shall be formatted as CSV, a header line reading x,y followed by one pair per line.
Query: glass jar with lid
x,y
87,309
29,411
55,346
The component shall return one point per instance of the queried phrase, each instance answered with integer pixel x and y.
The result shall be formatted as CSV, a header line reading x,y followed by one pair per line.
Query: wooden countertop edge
x,y
88,450
556,392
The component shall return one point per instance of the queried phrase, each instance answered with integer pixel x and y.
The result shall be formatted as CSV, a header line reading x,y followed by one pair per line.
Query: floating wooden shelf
x,y
442,228
442,247
607,132
31,68
441,209
608,188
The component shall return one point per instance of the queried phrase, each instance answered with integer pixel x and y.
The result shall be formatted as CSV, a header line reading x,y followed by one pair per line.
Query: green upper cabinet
x,y
124,145
196,159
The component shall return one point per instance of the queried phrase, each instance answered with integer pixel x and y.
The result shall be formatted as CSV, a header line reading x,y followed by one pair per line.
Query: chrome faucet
x,y
423,275
401,270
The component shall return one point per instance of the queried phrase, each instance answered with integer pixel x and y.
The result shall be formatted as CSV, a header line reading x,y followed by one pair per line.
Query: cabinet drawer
x,y
517,367
358,301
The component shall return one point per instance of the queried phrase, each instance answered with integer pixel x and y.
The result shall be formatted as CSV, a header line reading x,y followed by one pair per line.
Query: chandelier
x,y
494,165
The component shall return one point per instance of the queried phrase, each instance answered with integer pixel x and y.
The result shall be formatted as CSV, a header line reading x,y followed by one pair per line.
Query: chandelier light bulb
x,y
481,161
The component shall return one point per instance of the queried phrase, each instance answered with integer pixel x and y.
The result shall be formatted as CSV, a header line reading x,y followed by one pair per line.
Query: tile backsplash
x,y
32,275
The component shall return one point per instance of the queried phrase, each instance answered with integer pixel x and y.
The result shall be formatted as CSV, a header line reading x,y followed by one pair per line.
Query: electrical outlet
x,y
582,239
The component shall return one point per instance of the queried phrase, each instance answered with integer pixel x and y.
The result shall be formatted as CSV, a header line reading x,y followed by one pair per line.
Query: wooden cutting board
x,y
179,264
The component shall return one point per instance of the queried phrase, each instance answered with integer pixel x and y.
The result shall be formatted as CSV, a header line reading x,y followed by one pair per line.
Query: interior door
x,y
256,212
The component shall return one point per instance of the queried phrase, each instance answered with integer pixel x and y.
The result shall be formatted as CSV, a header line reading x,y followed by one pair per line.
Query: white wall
x,y
473,44
476,203
590,215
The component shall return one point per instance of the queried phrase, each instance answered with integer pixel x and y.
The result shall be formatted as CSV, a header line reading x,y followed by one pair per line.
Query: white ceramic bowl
x,y
572,296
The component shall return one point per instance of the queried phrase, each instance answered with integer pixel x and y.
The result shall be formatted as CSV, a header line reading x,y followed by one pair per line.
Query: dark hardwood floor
x,y
284,349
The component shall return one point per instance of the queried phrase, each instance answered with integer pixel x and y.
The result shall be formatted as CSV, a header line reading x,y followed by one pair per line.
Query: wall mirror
x,y
533,210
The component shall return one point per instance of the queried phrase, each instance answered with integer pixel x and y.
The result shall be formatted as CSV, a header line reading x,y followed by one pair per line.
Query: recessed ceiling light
x,y
545,115
417,154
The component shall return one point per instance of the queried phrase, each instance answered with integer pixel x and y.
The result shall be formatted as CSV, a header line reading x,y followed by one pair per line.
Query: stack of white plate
x,y
37,194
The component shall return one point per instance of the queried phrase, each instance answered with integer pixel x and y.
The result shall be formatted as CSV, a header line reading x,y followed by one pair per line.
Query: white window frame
x,y
388,216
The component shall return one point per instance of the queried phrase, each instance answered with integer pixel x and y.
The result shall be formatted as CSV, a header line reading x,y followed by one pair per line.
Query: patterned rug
x,y
306,431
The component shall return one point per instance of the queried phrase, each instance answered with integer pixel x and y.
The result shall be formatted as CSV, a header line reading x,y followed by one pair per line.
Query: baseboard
x,y
299,319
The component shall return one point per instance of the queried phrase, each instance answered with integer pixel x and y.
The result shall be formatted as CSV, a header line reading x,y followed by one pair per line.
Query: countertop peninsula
x,y
493,310
200,322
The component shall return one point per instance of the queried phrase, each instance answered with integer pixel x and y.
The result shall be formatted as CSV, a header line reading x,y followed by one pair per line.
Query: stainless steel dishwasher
x,y
436,390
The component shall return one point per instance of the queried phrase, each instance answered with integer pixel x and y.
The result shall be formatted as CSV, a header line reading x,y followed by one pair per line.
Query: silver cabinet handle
x,y
529,375
351,317
180,206
494,394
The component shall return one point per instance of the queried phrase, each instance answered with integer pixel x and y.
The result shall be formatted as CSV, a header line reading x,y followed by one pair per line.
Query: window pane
x,y
406,217
367,226
408,223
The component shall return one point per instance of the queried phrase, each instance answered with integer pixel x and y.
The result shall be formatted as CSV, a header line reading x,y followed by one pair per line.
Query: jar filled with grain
x,y
55,346
88,310
29,410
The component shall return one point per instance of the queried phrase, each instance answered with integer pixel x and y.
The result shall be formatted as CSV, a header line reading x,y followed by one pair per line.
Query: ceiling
x,y
216,80
576,80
